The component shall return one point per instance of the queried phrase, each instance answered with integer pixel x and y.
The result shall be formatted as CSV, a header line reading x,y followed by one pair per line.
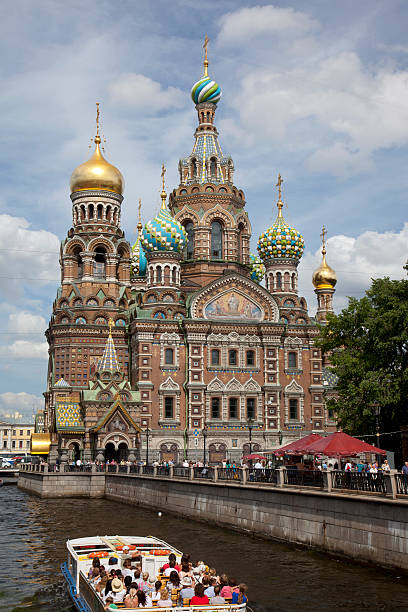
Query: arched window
x,y
293,281
278,280
213,168
240,253
189,227
292,359
250,407
215,357
250,358
159,274
90,211
216,240
99,265
169,356
99,211
233,357
80,268
194,168
174,276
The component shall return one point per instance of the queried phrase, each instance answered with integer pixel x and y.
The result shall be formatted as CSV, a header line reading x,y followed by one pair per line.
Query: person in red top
x,y
199,598
172,559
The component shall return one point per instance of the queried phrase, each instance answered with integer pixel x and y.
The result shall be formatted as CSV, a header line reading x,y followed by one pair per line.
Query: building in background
x,y
15,438
174,348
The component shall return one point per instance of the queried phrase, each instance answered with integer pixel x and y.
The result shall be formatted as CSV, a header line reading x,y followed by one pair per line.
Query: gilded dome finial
x,y
163,194
279,203
324,277
139,223
205,45
97,138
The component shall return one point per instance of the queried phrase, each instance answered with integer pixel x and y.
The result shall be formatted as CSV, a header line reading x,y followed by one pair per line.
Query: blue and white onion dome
x,y
257,268
163,233
281,241
206,90
139,261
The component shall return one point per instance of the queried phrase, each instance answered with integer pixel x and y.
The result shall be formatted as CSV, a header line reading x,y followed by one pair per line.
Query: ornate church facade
x,y
185,343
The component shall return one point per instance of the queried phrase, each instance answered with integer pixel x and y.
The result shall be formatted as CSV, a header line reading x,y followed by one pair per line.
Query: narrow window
x,y
233,357
292,359
233,408
278,280
215,357
189,227
293,409
168,407
250,358
216,240
215,408
99,264
250,408
213,168
169,356
158,274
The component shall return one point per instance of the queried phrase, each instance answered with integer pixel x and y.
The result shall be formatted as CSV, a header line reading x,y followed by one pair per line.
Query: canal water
x,y
280,578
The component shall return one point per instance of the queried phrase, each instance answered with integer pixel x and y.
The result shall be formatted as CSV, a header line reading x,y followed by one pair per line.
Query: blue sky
x,y
314,90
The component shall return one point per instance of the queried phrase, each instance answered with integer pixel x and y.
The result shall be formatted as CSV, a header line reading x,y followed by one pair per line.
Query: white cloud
x,y
309,96
246,24
25,349
23,405
139,91
356,261
26,256
26,322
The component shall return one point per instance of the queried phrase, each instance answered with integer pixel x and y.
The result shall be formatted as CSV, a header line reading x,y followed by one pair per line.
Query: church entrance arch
x,y
74,451
110,452
117,454
169,452
123,452
217,453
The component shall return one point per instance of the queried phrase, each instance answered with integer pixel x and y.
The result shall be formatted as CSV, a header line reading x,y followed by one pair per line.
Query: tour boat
x,y
154,554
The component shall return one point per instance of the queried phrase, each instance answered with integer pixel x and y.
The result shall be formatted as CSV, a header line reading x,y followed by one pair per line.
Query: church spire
x,y
109,360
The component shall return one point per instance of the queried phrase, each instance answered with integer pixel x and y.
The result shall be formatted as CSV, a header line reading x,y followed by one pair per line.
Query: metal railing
x,y
304,478
181,472
234,474
163,470
206,473
148,469
269,475
359,481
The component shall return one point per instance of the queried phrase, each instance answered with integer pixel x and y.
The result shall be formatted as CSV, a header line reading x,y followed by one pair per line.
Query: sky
x,y
316,91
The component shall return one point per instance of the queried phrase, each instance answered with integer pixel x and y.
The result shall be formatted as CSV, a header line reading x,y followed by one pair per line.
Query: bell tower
x,y
324,280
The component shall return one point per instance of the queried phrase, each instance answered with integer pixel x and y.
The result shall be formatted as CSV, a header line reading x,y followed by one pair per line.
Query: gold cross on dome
x,y
163,172
323,235
111,324
279,186
205,45
97,118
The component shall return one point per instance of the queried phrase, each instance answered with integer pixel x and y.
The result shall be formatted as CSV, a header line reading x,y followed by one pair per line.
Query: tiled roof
x,y
69,417
329,377
109,360
61,383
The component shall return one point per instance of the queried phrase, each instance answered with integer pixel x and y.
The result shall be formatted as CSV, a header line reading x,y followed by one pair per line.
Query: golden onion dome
x,y
324,277
97,173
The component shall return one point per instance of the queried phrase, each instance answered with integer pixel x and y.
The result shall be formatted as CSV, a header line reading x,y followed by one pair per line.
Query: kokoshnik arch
x,y
177,333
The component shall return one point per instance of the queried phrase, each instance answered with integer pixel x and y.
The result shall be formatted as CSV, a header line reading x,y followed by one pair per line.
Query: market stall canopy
x,y
40,443
298,447
255,457
340,444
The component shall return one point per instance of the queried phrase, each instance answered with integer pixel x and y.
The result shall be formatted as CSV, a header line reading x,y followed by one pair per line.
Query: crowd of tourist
x,y
187,583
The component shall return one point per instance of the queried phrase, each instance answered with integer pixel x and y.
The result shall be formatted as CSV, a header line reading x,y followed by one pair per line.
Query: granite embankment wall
x,y
56,484
368,529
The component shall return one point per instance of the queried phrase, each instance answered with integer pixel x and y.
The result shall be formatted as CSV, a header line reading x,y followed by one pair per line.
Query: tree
x,y
368,347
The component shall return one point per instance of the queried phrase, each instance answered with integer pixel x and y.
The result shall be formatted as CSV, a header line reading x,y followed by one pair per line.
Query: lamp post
x,y
147,430
250,428
377,410
205,443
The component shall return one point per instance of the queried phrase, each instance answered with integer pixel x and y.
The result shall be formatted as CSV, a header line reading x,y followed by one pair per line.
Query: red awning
x,y
298,447
254,457
340,444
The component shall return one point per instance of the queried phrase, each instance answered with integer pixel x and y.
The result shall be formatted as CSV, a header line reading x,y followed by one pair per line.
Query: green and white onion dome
x,y
163,233
257,268
139,261
206,90
281,241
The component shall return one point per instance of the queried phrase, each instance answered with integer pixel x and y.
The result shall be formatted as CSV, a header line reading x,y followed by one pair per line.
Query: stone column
x,y
327,480
281,476
87,260
391,484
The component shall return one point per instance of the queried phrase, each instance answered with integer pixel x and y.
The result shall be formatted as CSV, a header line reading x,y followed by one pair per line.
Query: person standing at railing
x,y
404,472
386,466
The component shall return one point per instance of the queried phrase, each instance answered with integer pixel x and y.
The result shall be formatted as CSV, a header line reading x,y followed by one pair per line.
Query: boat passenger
x,y
186,570
136,577
240,596
174,581
156,593
165,600
217,600
144,582
144,599
101,586
199,598
172,557
171,567
131,600
213,574
128,582
127,568
187,591
209,591
109,601
117,591
95,563
226,590
96,576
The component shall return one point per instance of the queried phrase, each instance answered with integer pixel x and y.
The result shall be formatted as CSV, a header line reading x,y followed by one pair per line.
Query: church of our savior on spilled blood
x,y
185,339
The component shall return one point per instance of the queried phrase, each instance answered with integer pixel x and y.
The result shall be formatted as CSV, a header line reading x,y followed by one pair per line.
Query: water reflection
x,y
280,578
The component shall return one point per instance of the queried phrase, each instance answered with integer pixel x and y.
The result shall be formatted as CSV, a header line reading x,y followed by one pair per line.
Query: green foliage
x,y
368,342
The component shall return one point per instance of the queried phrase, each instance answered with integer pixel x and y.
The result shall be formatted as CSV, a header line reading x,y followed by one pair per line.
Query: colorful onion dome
x,y
206,90
163,233
97,173
139,261
257,268
324,277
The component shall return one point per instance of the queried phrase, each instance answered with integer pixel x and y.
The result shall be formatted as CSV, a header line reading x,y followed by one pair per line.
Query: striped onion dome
x,y
163,233
139,261
280,241
257,268
206,90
